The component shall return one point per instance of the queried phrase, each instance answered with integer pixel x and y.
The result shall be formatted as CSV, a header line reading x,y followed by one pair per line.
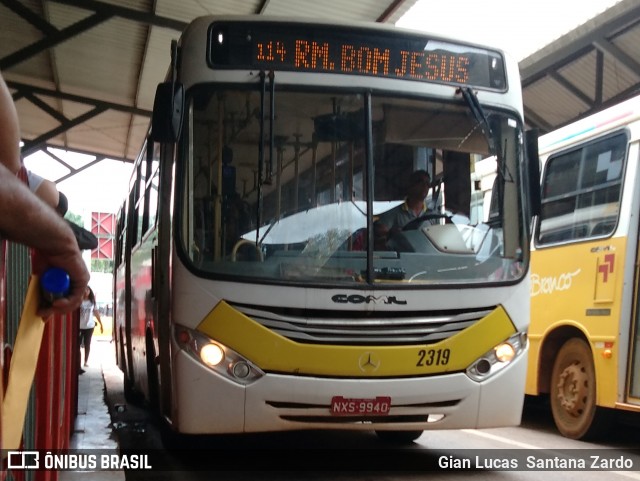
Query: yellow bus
x,y
251,293
584,286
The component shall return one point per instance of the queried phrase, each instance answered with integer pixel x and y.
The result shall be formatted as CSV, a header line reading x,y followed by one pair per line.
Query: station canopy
x,y
83,73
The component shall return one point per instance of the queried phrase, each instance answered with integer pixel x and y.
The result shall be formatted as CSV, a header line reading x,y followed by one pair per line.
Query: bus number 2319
x,y
433,357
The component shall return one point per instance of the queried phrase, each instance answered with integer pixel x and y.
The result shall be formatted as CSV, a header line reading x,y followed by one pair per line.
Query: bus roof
x,y
624,113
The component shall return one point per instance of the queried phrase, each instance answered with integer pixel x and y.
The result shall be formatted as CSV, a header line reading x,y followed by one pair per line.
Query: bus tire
x,y
130,394
175,441
398,437
573,392
153,384
127,383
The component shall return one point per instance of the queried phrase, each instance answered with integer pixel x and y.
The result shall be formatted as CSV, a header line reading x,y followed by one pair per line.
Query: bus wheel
x,y
398,437
152,376
127,383
573,391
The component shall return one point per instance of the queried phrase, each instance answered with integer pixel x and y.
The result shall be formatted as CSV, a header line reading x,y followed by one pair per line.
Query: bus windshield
x,y
334,187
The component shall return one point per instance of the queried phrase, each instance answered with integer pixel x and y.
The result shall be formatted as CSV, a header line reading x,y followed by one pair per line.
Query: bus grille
x,y
363,328
319,414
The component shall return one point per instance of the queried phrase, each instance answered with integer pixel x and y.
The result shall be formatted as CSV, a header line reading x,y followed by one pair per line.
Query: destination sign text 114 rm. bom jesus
x,y
337,50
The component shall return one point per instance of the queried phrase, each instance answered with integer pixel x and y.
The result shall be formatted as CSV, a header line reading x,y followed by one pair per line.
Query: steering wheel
x,y
415,223
240,243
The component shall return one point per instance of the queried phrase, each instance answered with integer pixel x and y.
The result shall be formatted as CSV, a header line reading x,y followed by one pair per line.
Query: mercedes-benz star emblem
x,y
369,362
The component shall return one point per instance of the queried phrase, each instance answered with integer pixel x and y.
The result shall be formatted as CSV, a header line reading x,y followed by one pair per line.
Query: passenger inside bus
x,y
234,211
204,193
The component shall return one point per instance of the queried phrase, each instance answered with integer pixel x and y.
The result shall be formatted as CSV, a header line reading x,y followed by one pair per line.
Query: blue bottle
x,y
54,283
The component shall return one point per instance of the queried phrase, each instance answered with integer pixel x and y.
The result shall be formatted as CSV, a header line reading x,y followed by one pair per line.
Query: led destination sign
x,y
323,49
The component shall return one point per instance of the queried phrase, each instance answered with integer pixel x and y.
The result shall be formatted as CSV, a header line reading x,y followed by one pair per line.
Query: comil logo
x,y
359,299
23,460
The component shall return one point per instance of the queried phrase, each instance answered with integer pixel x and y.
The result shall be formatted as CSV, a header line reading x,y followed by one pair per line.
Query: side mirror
x,y
533,163
168,108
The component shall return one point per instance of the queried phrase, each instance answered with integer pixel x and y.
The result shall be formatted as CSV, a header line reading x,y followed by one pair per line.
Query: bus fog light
x,y
241,370
483,366
211,354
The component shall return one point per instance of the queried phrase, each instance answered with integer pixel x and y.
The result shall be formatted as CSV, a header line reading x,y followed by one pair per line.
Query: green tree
x,y
102,265
97,265
75,218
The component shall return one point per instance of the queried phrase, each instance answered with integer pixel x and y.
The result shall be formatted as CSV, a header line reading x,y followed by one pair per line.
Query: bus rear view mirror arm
x,y
533,161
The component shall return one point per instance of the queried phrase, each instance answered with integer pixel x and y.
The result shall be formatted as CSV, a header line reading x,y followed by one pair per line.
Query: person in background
x,y
47,191
88,312
26,219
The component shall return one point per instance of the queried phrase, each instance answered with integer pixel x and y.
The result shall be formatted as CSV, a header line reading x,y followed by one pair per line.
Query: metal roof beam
x,y
552,64
84,167
571,88
35,20
389,11
52,40
575,43
128,13
45,107
28,92
262,7
605,46
38,143
599,80
535,120
23,90
48,146
58,159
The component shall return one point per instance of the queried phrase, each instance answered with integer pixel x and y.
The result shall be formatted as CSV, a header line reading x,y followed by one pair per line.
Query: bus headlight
x,y
212,354
216,356
497,358
505,352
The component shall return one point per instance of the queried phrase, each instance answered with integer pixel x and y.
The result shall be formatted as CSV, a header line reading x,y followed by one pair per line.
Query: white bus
x,y
251,292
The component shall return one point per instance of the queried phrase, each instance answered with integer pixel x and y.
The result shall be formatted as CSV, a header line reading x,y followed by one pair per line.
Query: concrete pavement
x,y
93,428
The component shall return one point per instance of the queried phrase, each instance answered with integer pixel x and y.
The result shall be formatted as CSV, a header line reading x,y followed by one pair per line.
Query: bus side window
x,y
603,228
581,191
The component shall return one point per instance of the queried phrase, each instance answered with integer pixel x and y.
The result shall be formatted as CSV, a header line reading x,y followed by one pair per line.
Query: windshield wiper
x,y
262,181
478,113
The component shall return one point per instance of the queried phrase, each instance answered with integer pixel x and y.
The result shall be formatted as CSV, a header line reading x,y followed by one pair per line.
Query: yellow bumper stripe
x,y
275,353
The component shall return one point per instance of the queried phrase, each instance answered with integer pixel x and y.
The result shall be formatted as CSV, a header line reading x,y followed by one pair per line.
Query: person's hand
x,y
101,330
71,261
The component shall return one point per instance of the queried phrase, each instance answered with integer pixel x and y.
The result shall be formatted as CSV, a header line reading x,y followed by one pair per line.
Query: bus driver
x,y
413,207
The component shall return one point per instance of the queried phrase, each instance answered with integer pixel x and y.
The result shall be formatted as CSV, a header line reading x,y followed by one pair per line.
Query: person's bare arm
x,y
26,219
9,131
96,314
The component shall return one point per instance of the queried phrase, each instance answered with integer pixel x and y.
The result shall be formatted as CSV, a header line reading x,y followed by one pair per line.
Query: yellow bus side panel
x,y
578,285
272,352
